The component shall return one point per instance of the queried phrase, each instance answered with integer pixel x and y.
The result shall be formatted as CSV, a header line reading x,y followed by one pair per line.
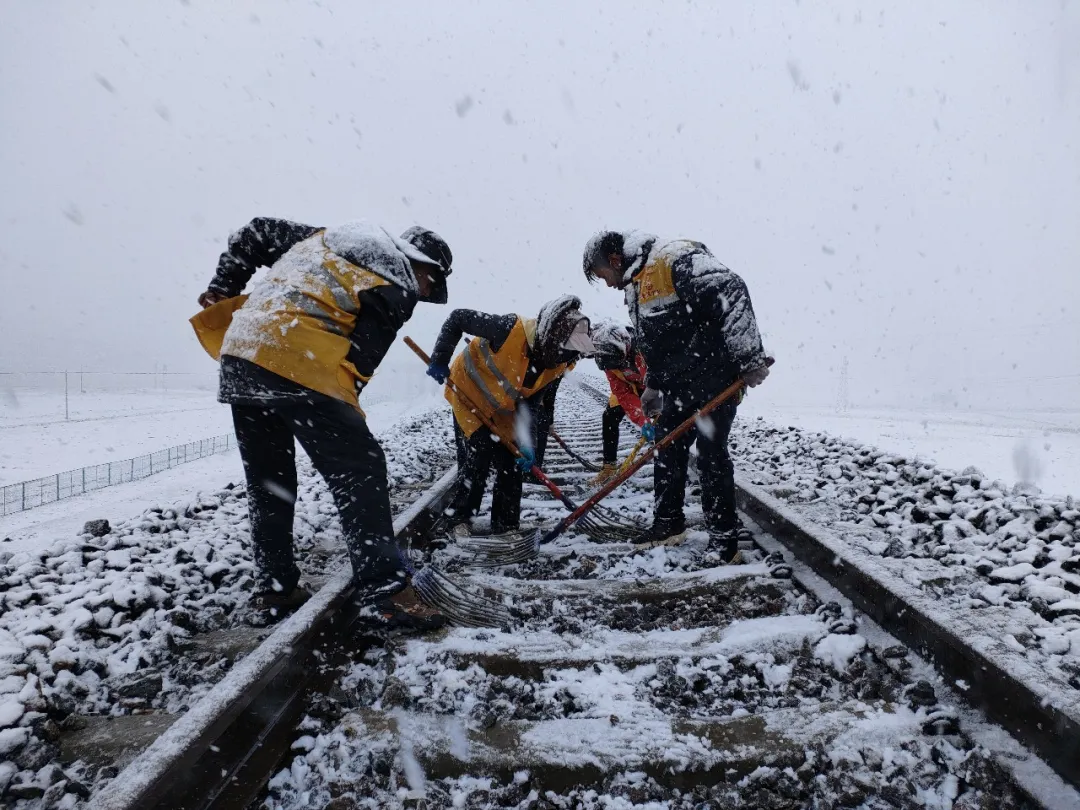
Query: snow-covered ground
x,y
30,407
650,680
93,625
1040,447
116,427
84,621
35,441
37,528
1004,559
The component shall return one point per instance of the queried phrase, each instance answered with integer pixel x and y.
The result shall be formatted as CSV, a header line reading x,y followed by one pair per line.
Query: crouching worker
x,y
624,368
508,375
295,355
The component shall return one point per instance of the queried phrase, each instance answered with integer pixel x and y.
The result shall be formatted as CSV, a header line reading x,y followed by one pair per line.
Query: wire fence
x,y
50,489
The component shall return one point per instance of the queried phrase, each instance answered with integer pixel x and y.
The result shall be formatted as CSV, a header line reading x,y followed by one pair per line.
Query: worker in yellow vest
x,y
509,373
295,355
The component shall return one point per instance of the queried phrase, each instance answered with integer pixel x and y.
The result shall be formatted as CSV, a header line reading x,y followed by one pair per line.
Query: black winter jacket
x,y
696,328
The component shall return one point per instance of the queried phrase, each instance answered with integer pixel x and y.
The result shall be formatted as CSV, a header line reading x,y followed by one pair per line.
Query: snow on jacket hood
x,y
550,319
636,245
371,246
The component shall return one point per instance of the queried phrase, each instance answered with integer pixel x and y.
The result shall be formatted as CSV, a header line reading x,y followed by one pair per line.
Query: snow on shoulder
x,y
634,242
371,246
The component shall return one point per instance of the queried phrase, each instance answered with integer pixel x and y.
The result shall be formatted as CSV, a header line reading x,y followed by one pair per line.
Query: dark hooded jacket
x,y
693,319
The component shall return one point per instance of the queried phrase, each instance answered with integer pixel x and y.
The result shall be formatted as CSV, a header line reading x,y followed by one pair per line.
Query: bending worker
x,y
696,328
295,356
509,375
625,369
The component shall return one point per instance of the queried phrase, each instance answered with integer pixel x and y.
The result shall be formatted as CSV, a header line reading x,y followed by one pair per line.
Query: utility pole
x,y
67,410
842,394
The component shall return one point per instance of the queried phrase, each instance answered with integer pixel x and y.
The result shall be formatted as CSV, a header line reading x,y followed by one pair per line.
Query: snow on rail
x,y
644,679
126,790
1034,776
1042,710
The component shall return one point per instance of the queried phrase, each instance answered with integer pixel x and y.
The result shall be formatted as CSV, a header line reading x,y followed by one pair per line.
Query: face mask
x,y
580,341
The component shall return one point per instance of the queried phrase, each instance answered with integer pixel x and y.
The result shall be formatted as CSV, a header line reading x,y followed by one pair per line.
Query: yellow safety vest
x,y
654,284
491,384
297,321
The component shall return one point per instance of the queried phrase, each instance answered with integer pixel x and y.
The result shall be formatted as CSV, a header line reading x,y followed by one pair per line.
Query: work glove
x,y
211,297
755,376
527,460
648,432
438,373
651,401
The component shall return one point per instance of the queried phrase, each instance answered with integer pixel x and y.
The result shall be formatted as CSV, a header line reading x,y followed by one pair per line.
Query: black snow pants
x,y
611,420
714,464
481,452
337,439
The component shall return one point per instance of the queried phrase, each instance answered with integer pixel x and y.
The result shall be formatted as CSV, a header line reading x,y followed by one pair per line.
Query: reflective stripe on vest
x,y
491,383
489,360
654,283
481,386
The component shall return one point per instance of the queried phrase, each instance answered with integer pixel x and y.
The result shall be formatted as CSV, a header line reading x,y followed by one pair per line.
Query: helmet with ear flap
x,y
554,325
613,345
430,250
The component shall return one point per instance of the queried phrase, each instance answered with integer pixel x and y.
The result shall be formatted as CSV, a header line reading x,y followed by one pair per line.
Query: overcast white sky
x,y
899,184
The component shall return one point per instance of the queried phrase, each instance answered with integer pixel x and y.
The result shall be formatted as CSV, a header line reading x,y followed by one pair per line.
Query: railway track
x,y
798,679
220,753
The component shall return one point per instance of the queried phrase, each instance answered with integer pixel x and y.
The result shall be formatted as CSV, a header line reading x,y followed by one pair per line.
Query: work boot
x,y
726,545
276,604
607,472
661,533
461,529
404,613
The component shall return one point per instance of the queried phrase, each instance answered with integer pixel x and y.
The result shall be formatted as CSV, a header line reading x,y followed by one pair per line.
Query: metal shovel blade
x,y
494,550
461,606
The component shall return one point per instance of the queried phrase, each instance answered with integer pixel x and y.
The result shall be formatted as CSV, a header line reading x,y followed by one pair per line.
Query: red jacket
x,y
627,386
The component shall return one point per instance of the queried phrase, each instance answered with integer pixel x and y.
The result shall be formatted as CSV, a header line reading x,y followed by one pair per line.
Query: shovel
x,y
583,510
588,465
589,489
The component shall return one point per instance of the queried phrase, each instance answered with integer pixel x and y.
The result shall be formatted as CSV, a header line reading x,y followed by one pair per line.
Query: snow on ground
x,y
94,625
32,407
36,529
111,428
84,623
605,696
1040,447
1004,559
